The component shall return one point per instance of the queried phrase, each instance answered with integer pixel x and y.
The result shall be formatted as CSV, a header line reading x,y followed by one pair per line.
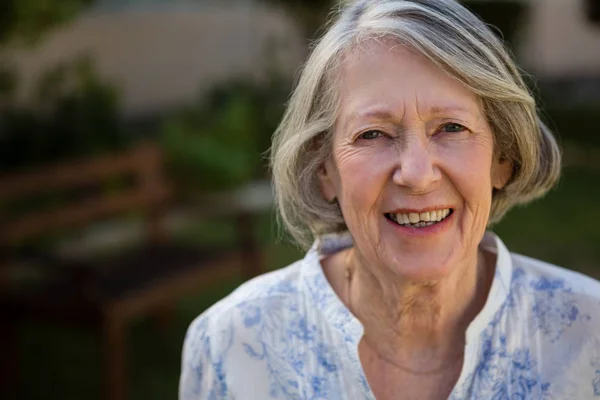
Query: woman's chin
x,y
420,267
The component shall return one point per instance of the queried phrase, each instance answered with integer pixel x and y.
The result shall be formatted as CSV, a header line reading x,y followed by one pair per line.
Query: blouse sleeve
x,y
202,366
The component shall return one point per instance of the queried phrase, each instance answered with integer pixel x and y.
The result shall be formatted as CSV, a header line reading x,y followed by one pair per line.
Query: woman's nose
x,y
416,169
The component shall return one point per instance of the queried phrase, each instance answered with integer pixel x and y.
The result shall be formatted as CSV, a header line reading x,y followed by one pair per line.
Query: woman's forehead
x,y
382,79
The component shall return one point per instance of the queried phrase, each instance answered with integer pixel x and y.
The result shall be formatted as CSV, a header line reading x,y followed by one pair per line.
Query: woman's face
x,y
412,165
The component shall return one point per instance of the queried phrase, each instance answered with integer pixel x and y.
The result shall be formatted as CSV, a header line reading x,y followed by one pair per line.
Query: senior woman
x,y
409,132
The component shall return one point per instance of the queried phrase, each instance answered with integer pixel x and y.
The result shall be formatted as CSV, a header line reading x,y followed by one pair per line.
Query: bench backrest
x,y
147,191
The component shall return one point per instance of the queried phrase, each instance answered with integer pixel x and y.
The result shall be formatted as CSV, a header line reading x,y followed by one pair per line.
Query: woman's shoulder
x,y
244,306
226,329
562,304
555,314
543,276
272,286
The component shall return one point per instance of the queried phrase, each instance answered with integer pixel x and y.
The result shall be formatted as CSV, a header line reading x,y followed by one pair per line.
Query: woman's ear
x,y
501,172
327,179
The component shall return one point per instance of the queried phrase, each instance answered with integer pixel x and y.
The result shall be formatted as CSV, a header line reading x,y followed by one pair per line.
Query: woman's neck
x,y
418,327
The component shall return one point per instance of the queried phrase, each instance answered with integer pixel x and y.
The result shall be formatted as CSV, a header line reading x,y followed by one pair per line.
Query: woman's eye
x,y
370,135
453,127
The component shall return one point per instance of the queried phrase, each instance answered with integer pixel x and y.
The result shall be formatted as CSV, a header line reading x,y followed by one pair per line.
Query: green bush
x,y
221,141
74,114
578,125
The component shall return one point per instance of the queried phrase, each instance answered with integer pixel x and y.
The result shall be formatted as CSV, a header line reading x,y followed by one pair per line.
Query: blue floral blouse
x,y
286,335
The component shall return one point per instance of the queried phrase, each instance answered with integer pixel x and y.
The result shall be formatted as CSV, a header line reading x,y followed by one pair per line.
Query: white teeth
x,y
422,219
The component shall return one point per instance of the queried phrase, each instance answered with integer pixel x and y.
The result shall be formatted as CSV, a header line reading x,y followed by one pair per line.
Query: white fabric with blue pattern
x,y
286,335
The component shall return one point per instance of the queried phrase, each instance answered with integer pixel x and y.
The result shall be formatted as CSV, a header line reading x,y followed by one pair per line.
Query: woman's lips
x,y
417,223
419,219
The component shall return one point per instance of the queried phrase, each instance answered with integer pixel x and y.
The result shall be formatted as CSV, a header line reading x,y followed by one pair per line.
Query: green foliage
x,y
28,19
8,83
220,141
75,115
25,21
578,125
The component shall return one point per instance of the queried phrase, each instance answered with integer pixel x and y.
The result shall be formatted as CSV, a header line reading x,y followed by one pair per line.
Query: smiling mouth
x,y
419,220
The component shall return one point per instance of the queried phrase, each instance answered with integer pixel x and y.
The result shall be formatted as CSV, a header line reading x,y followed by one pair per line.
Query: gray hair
x,y
458,43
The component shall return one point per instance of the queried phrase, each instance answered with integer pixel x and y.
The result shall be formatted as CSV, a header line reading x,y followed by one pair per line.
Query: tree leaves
x,y
27,20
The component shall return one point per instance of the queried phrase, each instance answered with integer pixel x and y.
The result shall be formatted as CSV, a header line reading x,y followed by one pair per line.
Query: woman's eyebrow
x,y
387,115
379,114
441,110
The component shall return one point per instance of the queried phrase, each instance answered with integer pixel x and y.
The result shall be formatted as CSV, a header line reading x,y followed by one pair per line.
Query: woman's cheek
x,y
467,160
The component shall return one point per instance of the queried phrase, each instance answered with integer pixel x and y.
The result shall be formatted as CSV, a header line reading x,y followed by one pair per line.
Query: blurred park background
x,y
199,86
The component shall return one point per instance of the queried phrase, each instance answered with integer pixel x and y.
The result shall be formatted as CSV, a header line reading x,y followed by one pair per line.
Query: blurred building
x,y
559,38
559,42
163,53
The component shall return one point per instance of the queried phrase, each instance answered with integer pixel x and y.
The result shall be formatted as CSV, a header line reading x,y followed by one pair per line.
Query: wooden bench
x,y
106,292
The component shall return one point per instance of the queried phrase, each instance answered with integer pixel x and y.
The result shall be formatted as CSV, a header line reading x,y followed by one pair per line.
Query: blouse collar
x,y
335,312
500,288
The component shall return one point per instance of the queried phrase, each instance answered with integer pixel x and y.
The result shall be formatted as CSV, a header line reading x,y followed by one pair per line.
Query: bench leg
x,y
9,359
114,353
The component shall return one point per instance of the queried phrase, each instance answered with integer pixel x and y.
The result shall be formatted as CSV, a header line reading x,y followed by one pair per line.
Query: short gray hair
x,y
457,42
